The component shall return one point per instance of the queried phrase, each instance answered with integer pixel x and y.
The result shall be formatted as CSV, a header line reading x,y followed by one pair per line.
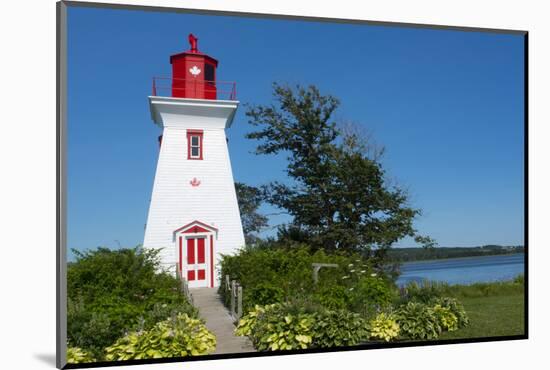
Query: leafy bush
x,y
384,327
332,297
273,328
371,294
447,319
76,355
456,308
90,330
112,292
418,321
291,326
272,275
338,328
264,294
178,336
247,323
287,270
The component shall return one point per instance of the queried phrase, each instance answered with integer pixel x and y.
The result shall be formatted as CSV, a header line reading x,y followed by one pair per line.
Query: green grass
x,y
493,315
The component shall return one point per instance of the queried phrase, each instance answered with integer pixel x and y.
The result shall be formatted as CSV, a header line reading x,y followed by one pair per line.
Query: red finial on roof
x,y
193,42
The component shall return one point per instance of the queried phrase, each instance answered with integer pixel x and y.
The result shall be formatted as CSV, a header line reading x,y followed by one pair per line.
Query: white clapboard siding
x,y
175,202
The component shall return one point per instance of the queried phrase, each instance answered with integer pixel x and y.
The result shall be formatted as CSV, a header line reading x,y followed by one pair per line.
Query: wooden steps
x,y
219,321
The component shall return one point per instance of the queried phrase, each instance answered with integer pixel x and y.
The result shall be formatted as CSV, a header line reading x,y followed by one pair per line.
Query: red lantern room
x,y
194,77
193,73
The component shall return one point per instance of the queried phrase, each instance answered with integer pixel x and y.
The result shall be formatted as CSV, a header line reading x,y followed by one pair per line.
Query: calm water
x,y
464,270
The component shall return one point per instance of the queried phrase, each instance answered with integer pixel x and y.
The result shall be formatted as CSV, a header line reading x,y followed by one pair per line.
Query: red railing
x,y
191,88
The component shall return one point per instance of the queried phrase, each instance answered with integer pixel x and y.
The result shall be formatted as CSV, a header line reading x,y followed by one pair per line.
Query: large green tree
x,y
250,199
338,198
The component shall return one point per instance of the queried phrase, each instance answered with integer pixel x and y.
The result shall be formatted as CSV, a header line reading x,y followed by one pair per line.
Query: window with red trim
x,y
194,144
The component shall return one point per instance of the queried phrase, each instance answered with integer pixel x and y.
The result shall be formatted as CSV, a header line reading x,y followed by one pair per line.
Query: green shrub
x,y
371,294
384,327
456,308
279,273
270,275
417,321
338,328
247,323
332,297
292,326
264,294
425,291
273,328
178,336
447,319
89,329
76,355
112,292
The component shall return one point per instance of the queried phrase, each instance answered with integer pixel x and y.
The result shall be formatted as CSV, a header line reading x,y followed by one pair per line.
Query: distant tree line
x,y
417,254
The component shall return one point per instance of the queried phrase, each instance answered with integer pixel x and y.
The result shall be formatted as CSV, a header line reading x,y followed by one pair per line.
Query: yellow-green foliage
x,y
294,332
456,308
338,328
273,328
76,355
418,321
447,319
384,327
248,322
176,337
291,326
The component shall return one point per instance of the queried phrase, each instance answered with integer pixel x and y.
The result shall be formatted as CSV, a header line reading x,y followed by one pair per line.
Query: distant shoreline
x,y
461,258
444,253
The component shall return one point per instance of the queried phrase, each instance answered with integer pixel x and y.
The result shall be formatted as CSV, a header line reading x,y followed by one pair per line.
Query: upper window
x,y
194,144
209,73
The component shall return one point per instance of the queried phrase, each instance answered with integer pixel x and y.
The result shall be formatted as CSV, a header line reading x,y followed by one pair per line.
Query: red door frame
x,y
194,228
211,261
211,265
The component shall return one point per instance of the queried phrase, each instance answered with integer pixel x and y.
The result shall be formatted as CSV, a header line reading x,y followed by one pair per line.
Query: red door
x,y
195,261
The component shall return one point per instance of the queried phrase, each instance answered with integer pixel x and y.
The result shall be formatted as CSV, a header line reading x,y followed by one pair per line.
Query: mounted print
x,y
237,185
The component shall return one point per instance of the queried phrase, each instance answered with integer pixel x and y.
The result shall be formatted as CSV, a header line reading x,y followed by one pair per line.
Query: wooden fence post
x,y
239,301
235,291
317,267
233,283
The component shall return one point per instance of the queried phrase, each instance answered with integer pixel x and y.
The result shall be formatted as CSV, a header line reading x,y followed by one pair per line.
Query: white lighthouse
x,y
193,216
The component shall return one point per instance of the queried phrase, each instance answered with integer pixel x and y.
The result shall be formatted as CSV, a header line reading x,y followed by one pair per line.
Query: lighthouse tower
x,y
193,216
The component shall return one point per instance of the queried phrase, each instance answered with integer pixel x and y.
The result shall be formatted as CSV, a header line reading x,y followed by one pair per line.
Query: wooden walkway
x,y
219,321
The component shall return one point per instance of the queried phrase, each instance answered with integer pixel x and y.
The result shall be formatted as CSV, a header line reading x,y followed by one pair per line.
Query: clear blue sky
x,y
447,105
